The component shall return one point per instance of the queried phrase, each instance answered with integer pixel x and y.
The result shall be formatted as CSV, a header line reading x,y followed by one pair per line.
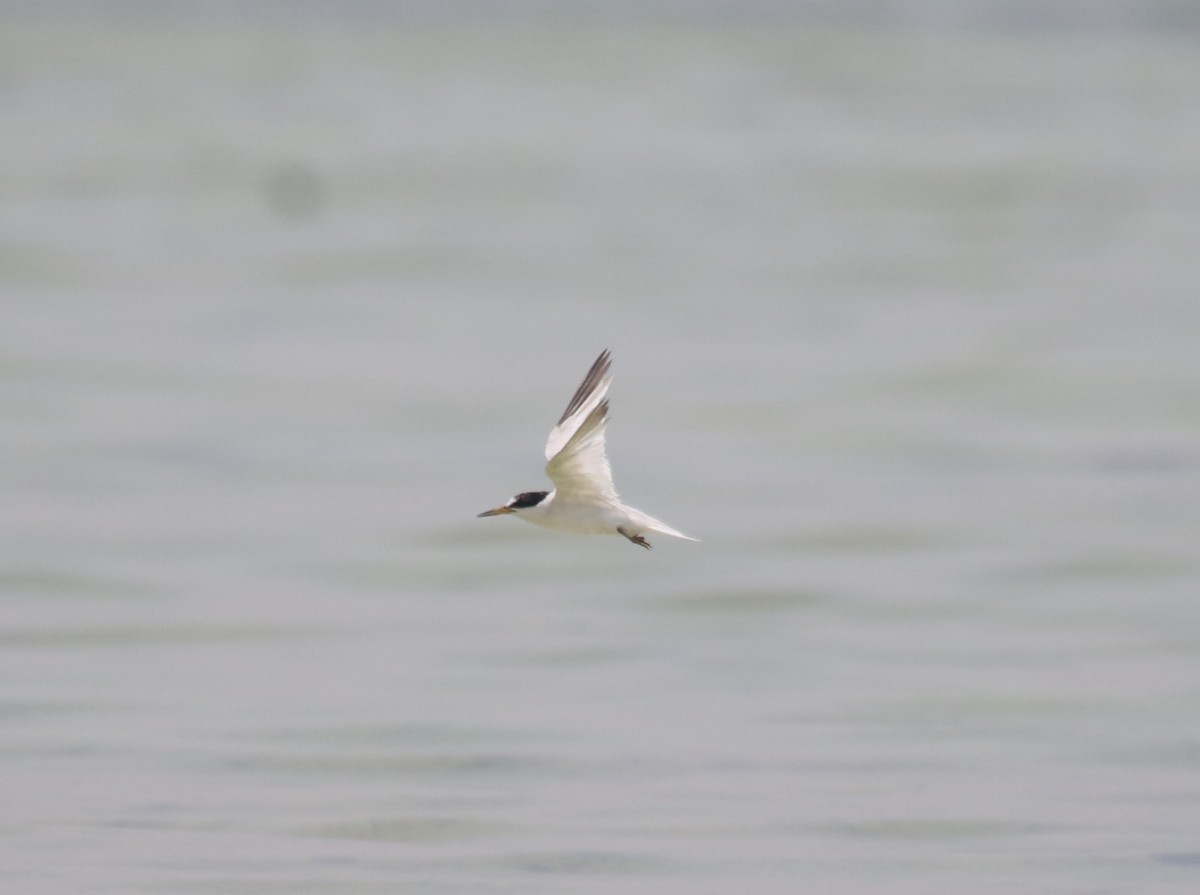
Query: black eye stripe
x,y
527,499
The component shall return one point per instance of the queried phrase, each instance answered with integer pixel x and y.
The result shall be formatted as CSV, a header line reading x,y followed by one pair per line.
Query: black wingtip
x,y
598,371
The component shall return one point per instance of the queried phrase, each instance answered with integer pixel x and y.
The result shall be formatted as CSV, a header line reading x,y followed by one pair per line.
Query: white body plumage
x,y
594,517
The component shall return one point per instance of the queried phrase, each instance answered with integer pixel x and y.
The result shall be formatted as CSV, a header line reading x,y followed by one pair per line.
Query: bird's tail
x,y
649,523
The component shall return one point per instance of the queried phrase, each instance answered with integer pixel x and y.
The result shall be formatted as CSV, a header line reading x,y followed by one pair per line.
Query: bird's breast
x,y
580,517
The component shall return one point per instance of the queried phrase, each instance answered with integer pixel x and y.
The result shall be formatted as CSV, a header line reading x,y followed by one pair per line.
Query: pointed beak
x,y
499,511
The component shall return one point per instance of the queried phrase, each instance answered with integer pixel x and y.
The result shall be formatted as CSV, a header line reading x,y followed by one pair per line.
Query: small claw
x,y
636,539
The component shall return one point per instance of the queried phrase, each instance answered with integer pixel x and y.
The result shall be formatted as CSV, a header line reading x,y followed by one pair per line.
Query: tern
x,y
584,500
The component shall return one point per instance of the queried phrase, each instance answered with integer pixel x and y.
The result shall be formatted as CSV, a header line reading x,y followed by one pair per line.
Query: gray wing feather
x,y
577,463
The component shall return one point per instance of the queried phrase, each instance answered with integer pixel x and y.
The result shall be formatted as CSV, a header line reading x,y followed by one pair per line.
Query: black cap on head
x,y
527,499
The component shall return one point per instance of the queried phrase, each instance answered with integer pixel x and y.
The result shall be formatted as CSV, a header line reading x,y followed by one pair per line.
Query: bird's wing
x,y
586,398
577,463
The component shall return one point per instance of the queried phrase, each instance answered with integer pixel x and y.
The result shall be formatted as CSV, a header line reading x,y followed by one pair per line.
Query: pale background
x,y
903,300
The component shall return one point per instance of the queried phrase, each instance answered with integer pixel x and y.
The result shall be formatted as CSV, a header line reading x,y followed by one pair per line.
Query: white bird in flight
x,y
584,500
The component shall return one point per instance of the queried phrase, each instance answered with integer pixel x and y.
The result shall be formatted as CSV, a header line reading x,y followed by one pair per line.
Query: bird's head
x,y
522,501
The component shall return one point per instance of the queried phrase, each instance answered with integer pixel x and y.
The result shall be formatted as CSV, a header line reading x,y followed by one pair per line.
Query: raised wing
x,y
577,463
587,397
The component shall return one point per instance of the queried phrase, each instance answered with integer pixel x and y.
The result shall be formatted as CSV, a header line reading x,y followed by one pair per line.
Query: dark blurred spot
x,y
1148,460
1184,858
294,191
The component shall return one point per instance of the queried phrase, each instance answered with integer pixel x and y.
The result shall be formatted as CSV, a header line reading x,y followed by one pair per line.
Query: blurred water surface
x,y
905,324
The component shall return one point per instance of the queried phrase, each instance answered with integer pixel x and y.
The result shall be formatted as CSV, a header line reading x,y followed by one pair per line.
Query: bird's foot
x,y
636,539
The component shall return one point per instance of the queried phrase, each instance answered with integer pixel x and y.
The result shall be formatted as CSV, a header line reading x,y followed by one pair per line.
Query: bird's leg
x,y
635,539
